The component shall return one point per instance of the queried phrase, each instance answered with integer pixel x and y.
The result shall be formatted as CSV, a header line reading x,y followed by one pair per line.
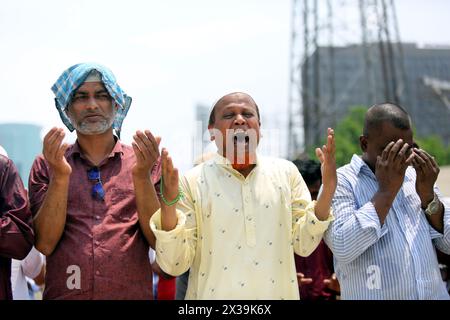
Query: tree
x,y
435,147
347,133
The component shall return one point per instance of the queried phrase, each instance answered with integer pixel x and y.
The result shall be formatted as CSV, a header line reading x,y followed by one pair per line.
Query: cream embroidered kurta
x,y
238,235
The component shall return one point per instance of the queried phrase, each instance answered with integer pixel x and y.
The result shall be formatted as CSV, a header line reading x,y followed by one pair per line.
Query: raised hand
x,y
329,177
427,171
327,158
54,150
170,177
391,166
146,150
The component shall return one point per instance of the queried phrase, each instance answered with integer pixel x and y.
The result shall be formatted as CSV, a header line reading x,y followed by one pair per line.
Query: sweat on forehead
x,y
386,112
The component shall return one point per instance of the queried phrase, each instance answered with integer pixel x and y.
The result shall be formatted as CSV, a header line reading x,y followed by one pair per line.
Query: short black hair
x,y
386,112
212,116
309,169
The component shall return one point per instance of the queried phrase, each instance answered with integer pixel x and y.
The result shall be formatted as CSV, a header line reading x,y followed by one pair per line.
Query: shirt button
x,y
97,217
97,272
97,242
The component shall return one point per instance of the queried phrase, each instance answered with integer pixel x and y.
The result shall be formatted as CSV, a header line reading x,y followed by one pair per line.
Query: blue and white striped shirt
x,y
393,261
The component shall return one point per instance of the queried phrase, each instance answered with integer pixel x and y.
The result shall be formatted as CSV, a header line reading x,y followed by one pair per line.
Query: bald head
x,y
231,97
385,112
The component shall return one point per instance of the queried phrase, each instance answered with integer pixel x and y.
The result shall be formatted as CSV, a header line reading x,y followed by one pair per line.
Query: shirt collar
x,y
75,149
357,163
224,163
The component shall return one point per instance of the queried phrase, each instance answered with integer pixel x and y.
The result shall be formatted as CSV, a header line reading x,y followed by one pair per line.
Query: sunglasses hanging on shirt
x,y
97,189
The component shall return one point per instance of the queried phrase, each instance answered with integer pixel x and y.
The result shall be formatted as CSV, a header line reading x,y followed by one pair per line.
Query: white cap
x,y
94,76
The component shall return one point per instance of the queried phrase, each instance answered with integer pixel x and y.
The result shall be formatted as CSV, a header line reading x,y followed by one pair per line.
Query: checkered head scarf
x,y
71,79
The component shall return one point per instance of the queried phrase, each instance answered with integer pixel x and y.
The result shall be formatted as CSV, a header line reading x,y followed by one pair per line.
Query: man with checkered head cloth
x,y
87,201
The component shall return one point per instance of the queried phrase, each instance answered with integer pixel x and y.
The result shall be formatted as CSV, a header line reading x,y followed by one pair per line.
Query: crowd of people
x,y
101,219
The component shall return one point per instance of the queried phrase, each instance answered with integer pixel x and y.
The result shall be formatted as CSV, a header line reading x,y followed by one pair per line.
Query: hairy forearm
x,y
51,217
382,201
147,204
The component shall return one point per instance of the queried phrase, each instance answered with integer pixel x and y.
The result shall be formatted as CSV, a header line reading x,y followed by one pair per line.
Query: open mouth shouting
x,y
241,136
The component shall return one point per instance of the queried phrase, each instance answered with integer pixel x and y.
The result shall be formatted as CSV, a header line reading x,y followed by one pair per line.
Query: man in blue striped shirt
x,y
388,215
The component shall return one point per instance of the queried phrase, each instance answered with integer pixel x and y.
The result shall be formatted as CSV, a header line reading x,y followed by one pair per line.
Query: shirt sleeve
x,y
38,182
442,240
307,229
354,229
16,233
33,263
175,249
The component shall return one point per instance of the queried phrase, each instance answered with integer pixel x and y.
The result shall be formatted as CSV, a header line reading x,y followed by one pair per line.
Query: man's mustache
x,y
86,114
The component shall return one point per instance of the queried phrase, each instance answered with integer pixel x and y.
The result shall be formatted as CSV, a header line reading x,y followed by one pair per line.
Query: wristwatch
x,y
433,206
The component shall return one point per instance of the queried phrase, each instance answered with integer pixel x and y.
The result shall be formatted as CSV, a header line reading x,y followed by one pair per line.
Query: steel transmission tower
x,y
295,117
318,29
382,49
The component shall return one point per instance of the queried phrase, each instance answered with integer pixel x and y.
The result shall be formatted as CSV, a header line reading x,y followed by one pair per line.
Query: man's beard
x,y
97,127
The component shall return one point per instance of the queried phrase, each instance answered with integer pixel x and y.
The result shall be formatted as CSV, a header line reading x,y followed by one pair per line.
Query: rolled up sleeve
x,y
175,249
442,240
307,229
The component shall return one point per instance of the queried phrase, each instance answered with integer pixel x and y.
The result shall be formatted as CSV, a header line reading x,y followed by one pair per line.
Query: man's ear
x,y
363,143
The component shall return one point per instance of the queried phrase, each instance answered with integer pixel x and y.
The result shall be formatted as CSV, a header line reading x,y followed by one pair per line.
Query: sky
x,y
171,56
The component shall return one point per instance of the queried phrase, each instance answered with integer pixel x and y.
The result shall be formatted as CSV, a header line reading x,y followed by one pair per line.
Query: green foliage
x,y
347,134
434,146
